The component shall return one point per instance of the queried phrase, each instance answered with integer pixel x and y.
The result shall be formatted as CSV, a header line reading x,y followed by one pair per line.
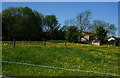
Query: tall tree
x,y
72,33
70,22
102,29
110,28
83,21
101,33
51,24
21,23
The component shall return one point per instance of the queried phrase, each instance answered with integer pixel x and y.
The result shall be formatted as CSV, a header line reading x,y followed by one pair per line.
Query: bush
x,y
72,34
86,42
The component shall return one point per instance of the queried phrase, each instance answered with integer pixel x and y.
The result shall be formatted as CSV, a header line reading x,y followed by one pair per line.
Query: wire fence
x,y
50,43
44,44
36,43
59,68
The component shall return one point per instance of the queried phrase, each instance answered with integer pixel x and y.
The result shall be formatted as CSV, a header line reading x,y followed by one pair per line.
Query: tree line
x,y
23,23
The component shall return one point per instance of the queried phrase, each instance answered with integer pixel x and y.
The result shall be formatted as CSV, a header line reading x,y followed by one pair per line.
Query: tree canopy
x,y
110,28
83,20
23,23
72,33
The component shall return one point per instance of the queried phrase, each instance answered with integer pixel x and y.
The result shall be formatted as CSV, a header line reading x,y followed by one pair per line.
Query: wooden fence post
x,y
44,44
14,43
65,44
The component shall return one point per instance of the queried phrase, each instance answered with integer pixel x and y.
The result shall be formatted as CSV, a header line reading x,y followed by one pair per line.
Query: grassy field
x,y
58,54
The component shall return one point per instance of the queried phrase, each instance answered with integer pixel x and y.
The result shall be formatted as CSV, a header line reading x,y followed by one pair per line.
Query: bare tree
x,y
110,28
70,22
83,21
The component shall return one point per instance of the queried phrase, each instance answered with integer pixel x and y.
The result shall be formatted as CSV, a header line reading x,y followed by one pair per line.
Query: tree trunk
x,y
14,43
44,43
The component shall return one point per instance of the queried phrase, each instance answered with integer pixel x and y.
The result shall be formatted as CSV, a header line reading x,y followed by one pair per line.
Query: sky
x,y
60,0
107,11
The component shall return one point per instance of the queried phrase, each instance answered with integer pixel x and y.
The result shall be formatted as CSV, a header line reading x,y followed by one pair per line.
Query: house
x,y
96,42
112,38
116,40
87,36
83,39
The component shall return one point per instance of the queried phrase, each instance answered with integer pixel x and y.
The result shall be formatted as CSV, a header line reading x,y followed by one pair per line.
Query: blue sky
x,y
59,0
107,11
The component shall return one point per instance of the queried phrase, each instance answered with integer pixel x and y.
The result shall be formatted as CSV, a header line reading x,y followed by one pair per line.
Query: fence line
x,y
39,44
58,68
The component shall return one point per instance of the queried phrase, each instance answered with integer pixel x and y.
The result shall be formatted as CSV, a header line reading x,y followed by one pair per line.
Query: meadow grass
x,y
72,56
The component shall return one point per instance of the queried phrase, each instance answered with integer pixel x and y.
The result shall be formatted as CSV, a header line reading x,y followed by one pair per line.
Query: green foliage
x,y
51,26
102,29
110,42
51,22
57,41
72,33
74,56
110,28
86,42
21,23
101,33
